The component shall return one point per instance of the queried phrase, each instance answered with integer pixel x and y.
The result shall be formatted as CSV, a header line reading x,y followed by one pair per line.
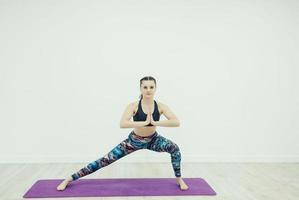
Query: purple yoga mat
x,y
119,187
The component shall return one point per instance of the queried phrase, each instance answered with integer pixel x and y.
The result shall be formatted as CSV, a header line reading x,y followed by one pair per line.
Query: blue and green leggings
x,y
154,142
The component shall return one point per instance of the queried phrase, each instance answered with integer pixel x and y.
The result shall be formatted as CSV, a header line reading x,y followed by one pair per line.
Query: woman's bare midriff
x,y
147,130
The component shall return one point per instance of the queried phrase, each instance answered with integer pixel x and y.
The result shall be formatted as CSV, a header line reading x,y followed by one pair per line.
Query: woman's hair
x,y
147,78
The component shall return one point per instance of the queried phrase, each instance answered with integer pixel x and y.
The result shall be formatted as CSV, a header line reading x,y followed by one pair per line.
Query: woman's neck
x,y
148,101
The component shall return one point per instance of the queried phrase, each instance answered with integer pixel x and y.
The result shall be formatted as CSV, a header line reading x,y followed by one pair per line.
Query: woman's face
x,y
148,88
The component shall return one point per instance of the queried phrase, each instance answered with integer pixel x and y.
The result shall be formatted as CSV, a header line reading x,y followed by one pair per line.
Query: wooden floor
x,y
231,181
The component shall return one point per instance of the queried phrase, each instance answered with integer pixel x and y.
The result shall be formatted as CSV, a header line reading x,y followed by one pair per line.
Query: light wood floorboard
x,y
231,181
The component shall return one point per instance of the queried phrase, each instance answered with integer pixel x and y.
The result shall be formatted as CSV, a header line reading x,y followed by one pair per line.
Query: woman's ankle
x,y
69,179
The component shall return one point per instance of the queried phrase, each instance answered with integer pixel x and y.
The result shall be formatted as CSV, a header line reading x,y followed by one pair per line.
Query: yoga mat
x,y
119,187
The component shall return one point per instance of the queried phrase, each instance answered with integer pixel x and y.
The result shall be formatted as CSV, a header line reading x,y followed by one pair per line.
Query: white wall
x,y
227,69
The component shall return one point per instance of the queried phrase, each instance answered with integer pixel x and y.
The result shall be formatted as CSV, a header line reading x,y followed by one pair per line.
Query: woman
x,y
146,114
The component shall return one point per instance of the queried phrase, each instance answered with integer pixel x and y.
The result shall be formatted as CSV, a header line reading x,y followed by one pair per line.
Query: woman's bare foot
x,y
181,183
64,183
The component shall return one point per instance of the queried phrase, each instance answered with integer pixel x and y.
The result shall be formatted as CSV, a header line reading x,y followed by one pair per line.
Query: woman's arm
x,y
172,120
125,121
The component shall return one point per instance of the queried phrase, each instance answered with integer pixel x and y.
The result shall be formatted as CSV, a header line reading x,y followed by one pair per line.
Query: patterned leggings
x,y
154,142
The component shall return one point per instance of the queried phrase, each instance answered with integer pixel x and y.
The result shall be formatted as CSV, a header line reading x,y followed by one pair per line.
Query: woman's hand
x,y
153,122
148,118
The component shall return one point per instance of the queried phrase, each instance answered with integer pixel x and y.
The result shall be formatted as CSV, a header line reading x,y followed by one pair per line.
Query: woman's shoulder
x,y
160,106
134,104
160,103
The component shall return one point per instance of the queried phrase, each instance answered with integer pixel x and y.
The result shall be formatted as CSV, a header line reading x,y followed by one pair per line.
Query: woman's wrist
x,y
143,123
146,123
154,123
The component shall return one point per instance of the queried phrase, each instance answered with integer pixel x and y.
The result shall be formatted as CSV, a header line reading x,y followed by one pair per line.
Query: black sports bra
x,y
141,116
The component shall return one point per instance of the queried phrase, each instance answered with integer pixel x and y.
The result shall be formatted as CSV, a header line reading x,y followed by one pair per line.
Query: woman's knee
x,y
116,153
173,148
176,147
93,166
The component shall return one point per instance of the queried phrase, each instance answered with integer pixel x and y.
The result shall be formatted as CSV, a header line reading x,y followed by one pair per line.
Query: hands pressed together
x,y
149,118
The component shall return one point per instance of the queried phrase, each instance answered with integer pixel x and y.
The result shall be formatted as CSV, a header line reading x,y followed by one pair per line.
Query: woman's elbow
x,y
178,123
123,125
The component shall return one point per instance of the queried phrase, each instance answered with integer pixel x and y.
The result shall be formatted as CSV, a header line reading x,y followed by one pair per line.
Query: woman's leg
x,y
122,149
162,144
